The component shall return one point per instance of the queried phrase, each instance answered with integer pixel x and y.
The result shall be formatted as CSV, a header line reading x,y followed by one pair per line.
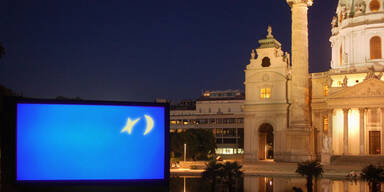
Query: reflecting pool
x,y
269,184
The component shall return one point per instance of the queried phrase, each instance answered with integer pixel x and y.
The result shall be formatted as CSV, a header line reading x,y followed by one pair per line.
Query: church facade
x,y
337,113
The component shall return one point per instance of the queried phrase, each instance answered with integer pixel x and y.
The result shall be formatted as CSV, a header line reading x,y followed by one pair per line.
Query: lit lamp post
x,y
185,152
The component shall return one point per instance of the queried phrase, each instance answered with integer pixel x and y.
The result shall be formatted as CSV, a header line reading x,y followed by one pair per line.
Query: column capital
x,y
345,110
362,109
308,3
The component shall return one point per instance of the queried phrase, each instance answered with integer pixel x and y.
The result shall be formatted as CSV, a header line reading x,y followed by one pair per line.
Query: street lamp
x,y
185,152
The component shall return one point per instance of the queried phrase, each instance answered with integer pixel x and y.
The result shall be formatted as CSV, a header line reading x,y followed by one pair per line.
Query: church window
x,y
265,93
325,124
341,56
375,47
374,5
266,62
325,90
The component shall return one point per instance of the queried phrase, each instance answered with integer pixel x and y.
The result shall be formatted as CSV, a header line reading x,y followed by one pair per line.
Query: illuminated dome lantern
x,y
357,36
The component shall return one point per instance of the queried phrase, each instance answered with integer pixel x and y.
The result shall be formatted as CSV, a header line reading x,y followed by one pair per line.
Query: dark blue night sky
x,y
142,50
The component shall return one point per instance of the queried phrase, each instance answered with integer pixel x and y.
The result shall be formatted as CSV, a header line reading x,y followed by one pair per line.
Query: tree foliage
x,y
228,173
212,171
373,175
201,144
310,170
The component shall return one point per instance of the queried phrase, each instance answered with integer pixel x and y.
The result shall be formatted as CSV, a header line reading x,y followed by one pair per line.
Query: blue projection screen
x,y
89,142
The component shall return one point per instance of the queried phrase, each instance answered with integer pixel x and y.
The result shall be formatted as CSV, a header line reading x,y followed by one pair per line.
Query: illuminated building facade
x,y
219,111
337,113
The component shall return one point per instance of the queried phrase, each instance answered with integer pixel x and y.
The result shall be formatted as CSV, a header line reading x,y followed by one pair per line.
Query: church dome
x,y
357,35
354,8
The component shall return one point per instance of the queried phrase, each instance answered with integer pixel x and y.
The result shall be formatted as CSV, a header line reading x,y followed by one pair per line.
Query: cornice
x,y
306,2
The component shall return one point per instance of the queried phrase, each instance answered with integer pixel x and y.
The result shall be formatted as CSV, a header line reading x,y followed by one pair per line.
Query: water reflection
x,y
269,184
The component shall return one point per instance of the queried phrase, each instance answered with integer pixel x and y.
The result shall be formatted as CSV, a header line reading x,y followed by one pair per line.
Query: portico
x,y
350,121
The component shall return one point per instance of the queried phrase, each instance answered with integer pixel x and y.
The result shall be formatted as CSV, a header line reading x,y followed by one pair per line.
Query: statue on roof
x,y
334,21
269,30
253,54
380,76
371,74
287,58
345,82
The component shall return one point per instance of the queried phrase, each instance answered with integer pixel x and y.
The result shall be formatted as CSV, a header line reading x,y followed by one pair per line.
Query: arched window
x,y
341,56
374,5
375,47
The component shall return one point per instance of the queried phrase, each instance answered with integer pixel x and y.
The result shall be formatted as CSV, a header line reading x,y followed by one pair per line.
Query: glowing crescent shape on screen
x,y
129,125
149,124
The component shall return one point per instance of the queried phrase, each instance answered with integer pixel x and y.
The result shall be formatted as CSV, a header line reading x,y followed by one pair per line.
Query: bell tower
x,y
266,106
299,135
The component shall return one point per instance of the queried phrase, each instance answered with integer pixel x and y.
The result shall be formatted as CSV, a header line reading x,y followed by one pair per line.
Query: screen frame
x,y
9,149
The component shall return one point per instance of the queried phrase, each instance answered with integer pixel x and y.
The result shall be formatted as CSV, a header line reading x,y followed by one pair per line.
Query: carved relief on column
x,y
299,108
362,130
346,131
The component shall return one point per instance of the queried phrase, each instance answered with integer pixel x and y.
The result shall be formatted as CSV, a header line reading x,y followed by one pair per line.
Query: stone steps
x,y
360,161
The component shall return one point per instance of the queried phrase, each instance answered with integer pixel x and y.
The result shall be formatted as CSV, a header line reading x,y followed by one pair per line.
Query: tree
x,y
176,143
230,172
201,144
373,175
310,170
212,171
2,51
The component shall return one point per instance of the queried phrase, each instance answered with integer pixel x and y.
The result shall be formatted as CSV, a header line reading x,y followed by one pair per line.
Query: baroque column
x,y
346,152
299,114
362,131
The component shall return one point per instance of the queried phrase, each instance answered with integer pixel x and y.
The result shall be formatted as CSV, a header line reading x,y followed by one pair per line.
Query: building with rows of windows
x,y
219,111
337,114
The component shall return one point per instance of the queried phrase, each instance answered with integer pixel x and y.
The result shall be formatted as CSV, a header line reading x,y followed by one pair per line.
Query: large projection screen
x,y
87,142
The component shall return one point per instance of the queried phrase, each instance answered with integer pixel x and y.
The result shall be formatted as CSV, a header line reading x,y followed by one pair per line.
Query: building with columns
x,y
337,114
